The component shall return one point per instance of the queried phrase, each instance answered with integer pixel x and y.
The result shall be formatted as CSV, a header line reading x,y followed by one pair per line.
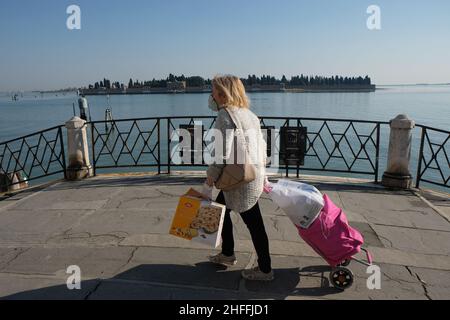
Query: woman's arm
x,y
225,125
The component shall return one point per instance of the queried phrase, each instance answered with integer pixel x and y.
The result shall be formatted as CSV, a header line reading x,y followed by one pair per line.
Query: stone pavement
x,y
115,228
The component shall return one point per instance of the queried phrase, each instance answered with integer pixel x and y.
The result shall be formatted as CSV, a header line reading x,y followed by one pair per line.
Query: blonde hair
x,y
232,89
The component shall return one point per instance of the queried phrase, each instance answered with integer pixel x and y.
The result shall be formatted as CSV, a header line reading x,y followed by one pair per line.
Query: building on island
x,y
176,86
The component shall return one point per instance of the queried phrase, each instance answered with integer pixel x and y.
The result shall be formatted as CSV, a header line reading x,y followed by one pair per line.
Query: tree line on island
x,y
250,81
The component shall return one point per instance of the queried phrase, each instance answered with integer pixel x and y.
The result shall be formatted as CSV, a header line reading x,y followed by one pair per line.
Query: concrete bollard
x,y
79,163
397,174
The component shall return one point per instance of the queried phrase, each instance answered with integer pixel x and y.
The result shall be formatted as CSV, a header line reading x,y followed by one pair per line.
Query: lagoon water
x,y
428,105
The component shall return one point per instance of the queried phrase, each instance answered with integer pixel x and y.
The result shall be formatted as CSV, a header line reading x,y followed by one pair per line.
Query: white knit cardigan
x,y
244,197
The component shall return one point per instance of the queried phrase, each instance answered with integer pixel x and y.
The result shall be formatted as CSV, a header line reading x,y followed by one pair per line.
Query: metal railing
x,y
333,145
32,157
116,143
342,146
434,157
337,145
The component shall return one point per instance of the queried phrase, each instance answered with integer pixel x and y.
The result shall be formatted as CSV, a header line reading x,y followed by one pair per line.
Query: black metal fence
x,y
333,145
126,143
434,157
344,146
32,157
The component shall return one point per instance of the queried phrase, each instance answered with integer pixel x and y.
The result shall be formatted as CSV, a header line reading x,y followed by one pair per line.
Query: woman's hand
x,y
209,181
266,186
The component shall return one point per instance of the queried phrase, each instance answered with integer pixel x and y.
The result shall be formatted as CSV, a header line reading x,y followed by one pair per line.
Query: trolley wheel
x,y
345,263
341,278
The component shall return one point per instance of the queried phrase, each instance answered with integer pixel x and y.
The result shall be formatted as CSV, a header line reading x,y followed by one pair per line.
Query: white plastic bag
x,y
301,202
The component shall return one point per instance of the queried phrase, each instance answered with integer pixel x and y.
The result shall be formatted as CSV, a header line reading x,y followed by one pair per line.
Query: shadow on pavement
x,y
204,281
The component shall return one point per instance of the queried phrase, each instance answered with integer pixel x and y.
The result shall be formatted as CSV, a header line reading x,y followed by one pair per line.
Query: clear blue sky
x,y
152,38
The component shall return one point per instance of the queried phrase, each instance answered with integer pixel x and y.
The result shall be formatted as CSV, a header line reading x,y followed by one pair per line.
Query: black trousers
x,y
253,219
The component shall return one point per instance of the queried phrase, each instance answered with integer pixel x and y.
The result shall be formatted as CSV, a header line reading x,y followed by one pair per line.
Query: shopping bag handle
x,y
267,189
267,186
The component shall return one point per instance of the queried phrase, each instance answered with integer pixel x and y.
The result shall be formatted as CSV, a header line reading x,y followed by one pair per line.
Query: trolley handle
x,y
368,255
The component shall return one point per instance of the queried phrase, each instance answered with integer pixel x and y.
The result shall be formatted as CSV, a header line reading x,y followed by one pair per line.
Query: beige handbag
x,y
234,175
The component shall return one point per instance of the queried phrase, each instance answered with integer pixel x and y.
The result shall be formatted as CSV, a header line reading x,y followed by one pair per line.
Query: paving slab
x,y
414,240
20,287
148,221
68,194
93,262
182,266
35,226
435,282
9,254
404,258
394,209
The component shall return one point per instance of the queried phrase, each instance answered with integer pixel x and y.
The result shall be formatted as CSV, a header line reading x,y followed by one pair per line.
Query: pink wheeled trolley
x,y
336,241
322,225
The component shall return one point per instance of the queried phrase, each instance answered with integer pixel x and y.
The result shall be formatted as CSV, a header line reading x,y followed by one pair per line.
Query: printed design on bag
x,y
208,218
305,221
188,233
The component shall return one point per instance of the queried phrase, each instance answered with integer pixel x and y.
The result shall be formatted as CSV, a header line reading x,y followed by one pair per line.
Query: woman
x,y
229,92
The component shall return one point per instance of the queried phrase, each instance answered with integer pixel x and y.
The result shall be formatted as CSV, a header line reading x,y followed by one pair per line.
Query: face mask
x,y
212,104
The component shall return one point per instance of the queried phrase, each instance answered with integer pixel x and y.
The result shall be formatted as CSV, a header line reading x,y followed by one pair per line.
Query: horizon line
x,y
76,88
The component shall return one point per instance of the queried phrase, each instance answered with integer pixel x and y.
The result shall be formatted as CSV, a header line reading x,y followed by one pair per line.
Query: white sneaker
x,y
256,274
223,259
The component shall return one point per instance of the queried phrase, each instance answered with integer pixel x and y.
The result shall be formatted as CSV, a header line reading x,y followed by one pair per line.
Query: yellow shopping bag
x,y
198,219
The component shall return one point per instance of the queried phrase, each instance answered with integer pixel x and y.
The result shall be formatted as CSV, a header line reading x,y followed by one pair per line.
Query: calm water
x,y
427,105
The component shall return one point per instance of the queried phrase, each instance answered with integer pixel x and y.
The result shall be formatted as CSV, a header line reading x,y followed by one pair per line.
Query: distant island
x,y
65,90
265,83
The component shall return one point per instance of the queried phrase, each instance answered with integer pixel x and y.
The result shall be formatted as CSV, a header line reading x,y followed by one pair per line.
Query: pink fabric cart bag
x,y
331,236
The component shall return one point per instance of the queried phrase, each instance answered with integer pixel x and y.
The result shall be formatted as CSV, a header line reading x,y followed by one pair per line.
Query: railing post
x,y
168,145
419,165
285,153
377,154
159,147
397,173
298,164
63,154
94,160
78,152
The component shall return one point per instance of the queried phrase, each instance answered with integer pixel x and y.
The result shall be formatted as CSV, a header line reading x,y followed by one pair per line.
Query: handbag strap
x,y
236,121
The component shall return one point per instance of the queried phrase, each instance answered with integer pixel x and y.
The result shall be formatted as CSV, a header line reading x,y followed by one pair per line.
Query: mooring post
x,y
397,174
78,152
